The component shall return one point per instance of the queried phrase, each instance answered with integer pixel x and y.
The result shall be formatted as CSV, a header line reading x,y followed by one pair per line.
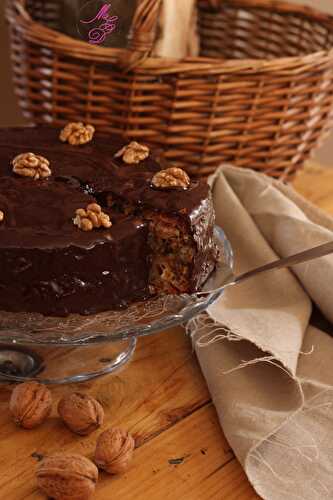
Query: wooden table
x,y
163,399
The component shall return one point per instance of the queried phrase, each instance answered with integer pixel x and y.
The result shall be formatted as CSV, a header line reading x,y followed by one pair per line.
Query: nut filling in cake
x,y
96,225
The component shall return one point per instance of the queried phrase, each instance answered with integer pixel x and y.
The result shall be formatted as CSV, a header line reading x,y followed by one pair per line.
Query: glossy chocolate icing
x,y
47,264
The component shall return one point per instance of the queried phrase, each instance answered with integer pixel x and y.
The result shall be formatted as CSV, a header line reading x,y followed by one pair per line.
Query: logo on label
x,y
97,22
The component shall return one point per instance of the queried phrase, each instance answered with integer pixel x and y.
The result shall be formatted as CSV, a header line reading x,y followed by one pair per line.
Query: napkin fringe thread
x,y
215,332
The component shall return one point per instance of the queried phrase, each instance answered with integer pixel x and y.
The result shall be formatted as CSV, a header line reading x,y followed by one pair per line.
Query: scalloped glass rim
x,y
139,319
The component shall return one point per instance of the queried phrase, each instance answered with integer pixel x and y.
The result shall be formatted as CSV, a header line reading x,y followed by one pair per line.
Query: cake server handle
x,y
299,258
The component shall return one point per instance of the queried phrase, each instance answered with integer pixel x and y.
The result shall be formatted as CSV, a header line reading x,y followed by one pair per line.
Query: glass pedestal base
x,y
63,364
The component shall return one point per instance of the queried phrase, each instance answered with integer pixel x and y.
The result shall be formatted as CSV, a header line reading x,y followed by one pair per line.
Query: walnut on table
x,y
114,451
31,165
91,217
67,476
77,133
82,413
30,404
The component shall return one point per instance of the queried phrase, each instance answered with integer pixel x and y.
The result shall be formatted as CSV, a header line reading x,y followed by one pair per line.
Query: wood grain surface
x,y
162,398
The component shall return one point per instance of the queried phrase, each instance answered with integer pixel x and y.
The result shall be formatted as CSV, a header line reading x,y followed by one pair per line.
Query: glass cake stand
x,y
79,348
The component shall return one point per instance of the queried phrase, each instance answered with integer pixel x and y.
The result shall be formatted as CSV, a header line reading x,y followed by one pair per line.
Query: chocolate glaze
x,y
47,264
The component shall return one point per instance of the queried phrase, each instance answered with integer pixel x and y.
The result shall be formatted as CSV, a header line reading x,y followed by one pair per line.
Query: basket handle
x,y
142,34
19,7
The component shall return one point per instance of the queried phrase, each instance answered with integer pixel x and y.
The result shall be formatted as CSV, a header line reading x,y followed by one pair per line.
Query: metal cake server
x,y
225,277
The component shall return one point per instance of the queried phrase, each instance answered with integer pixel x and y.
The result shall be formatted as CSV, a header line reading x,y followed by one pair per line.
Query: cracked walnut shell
x,y
81,413
67,477
30,404
76,133
171,178
91,217
114,451
31,165
133,153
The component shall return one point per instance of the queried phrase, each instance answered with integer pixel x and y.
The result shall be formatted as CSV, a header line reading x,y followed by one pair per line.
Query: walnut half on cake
x,y
100,231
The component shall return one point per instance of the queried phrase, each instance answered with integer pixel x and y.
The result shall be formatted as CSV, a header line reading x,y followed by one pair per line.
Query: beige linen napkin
x,y
178,34
269,372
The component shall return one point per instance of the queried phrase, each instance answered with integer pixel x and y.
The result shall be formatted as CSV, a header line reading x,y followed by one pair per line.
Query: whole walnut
x,y
114,451
81,413
67,477
30,404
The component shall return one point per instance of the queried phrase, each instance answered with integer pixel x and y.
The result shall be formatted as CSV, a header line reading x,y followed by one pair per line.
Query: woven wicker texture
x,y
260,95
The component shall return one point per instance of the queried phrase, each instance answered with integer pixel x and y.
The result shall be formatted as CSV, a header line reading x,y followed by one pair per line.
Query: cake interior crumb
x,y
172,253
172,249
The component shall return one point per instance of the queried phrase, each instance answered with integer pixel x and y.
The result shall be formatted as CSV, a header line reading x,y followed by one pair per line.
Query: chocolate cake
x,y
160,240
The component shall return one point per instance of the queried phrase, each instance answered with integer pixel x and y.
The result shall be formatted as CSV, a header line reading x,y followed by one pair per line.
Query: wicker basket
x,y
266,107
